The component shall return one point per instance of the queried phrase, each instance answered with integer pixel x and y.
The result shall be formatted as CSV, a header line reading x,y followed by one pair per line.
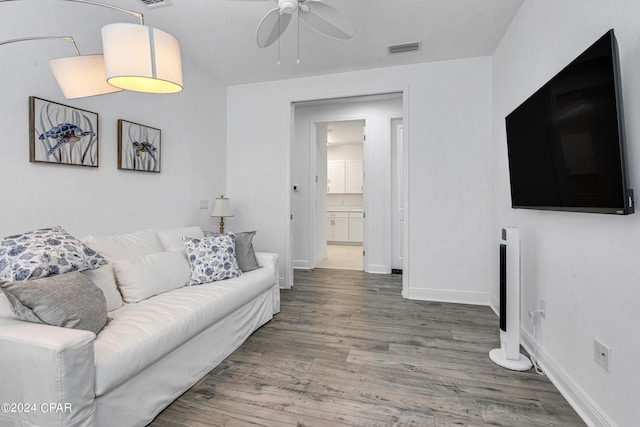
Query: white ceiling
x,y
219,35
346,132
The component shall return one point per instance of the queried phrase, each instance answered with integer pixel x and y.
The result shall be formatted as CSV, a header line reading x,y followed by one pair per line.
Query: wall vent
x,y
404,47
154,4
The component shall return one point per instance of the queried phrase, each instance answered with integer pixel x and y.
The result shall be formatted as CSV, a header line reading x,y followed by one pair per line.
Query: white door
x,y
397,202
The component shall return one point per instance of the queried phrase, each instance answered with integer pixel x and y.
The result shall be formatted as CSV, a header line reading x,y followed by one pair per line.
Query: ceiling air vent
x,y
153,4
404,47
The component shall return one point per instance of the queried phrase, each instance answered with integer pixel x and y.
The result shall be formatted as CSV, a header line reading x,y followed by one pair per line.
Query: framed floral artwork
x,y
138,147
62,134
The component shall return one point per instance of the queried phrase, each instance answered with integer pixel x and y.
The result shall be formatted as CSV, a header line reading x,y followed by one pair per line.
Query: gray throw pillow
x,y
245,254
69,300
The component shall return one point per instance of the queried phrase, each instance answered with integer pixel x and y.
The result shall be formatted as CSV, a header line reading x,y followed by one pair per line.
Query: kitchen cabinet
x,y
336,175
354,176
344,176
344,226
355,226
338,226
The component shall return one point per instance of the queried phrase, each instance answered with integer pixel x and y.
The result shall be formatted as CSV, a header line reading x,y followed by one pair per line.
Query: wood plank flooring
x,y
347,349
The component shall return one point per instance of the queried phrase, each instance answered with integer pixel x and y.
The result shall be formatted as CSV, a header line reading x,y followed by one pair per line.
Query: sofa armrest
x,y
47,375
272,260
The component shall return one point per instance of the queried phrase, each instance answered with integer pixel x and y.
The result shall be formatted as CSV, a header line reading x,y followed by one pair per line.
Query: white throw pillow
x,y
149,275
104,279
123,246
171,238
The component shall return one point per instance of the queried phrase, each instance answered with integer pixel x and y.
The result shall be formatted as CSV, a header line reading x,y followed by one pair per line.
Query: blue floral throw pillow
x,y
212,258
44,252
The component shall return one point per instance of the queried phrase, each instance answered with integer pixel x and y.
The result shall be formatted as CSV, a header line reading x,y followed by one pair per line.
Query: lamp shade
x,y
222,208
141,58
81,76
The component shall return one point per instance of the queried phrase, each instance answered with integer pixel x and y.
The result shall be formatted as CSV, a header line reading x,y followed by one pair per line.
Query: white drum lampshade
x,y
81,76
141,58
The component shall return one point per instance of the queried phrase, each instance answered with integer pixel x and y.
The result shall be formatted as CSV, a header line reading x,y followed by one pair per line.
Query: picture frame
x,y
61,134
138,147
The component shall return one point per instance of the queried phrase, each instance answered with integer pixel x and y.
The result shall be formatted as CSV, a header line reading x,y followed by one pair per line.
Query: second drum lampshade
x,y
141,58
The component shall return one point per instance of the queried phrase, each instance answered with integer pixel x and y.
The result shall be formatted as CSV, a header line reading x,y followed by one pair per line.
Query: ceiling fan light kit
x,y
317,15
287,6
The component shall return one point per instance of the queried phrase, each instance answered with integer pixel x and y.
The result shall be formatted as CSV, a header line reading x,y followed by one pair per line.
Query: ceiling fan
x,y
317,15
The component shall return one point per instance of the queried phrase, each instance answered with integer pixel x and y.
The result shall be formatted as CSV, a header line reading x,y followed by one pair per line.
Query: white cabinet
x,y
355,226
338,226
354,174
344,226
336,174
344,176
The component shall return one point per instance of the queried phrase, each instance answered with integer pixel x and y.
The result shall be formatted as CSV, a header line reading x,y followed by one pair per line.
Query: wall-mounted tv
x,y
566,142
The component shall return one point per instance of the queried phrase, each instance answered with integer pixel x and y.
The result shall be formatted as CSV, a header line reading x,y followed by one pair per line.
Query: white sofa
x,y
149,352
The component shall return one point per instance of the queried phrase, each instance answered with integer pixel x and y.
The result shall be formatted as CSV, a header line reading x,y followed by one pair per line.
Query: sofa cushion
x,y
149,275
69,300
171,238
212,258
6,312
103,278
140,334
245,254
123,246
44,252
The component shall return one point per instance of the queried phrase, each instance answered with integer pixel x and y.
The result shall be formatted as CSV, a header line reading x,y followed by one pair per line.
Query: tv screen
x,y
566,142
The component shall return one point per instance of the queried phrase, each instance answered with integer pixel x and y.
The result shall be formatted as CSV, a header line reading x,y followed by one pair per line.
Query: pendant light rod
x,y
108,6
27,39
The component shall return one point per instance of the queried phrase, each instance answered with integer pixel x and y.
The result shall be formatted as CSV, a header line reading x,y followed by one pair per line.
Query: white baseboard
x,y
378,269
586,408
459,297
302,264
495,309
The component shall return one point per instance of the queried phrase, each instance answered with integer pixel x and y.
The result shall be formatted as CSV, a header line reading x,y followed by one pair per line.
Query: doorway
x,y
343,203
310,197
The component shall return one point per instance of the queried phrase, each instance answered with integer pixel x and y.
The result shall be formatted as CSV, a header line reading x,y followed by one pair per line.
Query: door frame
x,y
313,126
404,91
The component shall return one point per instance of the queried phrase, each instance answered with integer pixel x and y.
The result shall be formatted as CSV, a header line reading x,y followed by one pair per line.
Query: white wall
x,y
105,200
585,266
448,122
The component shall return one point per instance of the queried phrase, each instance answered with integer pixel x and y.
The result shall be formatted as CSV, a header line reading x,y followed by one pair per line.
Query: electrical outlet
x,y
204,204
601,354
543,309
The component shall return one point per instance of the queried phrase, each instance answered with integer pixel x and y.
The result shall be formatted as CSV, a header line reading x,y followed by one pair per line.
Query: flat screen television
x,y
566,143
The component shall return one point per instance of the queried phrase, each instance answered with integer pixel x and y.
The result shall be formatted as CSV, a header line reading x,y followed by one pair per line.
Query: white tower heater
x,y
508,355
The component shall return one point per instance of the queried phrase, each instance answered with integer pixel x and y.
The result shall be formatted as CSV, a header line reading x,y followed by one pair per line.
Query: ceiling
x,y
345,132
218,36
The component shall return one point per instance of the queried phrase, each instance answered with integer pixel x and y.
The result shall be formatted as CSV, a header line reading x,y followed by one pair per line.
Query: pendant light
x,y
81,76
78,76
136,57
141,58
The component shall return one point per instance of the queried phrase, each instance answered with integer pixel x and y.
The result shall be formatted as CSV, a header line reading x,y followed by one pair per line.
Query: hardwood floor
x,y
343,257
348,350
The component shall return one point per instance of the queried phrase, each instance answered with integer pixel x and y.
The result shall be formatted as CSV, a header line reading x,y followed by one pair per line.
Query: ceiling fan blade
x,y
326,20
271,27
